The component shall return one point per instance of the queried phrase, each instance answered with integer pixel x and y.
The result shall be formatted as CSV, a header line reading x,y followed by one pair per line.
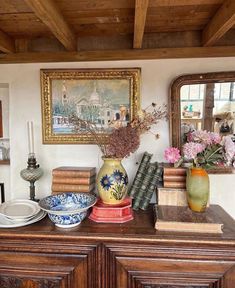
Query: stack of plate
x,y
19,212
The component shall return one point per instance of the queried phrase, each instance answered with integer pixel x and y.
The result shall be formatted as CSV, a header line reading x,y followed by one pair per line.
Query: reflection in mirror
x,y
202,102
209,106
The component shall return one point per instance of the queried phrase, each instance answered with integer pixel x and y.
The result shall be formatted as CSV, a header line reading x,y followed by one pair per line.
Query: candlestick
x,y
30,137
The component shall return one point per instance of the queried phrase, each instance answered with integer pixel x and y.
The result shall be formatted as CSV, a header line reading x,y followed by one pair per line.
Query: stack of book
x,y
73,179
145,182
174,177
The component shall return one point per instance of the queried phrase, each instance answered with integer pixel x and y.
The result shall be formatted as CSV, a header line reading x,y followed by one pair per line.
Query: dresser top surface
x,y
140,229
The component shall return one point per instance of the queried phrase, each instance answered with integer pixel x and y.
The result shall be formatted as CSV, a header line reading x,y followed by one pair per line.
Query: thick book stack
x,y
145,182
182,219
73,179
174,177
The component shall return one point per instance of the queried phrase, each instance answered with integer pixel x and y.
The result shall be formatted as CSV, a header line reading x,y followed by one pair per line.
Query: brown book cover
x,y
71,171
72,188
73,180
182,219
171,184
174,171
174,178
55,192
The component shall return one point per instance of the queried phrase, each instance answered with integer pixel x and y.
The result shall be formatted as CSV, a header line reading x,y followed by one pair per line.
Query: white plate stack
x,y
19,212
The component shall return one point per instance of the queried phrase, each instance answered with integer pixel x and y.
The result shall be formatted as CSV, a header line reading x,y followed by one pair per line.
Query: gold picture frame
x,y
103,96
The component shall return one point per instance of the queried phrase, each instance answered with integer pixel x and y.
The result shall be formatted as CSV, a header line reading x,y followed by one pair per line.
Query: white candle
x,y
30,137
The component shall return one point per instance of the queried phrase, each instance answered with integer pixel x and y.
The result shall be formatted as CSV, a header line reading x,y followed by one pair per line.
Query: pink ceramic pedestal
x,y
119,213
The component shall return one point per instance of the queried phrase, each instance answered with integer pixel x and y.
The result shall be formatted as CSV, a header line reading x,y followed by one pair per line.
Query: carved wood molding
x,y
22,282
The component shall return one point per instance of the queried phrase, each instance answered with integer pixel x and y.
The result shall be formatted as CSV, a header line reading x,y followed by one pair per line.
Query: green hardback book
x,y
140,174
156,178
146,182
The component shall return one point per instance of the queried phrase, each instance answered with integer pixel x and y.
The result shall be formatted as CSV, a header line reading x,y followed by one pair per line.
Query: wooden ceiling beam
x,y
7,44
141,7
223,20
50,15
174,3
112,55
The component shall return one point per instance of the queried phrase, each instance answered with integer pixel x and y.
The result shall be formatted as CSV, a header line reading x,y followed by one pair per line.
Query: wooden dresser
x,y
130,255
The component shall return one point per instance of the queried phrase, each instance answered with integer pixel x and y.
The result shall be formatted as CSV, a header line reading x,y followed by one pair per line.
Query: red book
x,y
70,171
73,180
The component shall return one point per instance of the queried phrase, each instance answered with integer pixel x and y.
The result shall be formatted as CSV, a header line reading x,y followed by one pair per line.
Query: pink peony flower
x,y
215,138
172,154
229,147
201,136
191,149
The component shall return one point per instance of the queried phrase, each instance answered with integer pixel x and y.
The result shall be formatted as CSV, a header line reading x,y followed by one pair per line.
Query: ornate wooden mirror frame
x,y
174,99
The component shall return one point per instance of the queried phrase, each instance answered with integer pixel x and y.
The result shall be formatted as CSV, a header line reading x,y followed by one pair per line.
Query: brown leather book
x,y
174,178
182,219
73,180
58,192
70,171
174,184
174,171
72,187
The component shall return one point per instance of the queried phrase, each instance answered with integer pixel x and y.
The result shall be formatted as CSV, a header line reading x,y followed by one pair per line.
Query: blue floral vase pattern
x,y
112,181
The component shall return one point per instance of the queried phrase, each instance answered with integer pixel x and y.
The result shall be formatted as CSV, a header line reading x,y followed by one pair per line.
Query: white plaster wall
x,y
5,169
25,104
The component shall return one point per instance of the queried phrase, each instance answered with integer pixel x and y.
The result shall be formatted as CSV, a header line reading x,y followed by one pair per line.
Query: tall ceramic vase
x,y
197,187
112,181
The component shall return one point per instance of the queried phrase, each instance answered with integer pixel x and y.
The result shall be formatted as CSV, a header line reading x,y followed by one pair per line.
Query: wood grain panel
x,y
128,54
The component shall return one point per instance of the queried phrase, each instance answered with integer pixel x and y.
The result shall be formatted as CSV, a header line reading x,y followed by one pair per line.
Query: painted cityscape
x,y
105,102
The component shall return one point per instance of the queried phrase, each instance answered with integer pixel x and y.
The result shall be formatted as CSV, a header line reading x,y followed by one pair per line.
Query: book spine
x,y
73,180
173,184
71,188
172,197
93,191
174,178
146,182
140,174
174,171
152,188
72,174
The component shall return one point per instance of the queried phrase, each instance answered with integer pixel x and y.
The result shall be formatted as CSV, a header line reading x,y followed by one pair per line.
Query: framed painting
x,y
105,97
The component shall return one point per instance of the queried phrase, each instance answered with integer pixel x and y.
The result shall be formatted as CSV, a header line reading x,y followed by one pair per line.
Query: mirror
x,y
202,102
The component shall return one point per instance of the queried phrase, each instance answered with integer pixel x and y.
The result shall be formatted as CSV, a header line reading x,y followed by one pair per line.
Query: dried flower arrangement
x,y
204,149
123,140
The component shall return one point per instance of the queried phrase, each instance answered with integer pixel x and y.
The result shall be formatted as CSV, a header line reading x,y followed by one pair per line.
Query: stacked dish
x,y
19,212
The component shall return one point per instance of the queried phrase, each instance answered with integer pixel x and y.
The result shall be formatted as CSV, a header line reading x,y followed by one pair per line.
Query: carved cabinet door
x,y
34,270
149,271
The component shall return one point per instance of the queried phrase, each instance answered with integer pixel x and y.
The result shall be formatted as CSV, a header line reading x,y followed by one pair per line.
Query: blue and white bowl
x,y
67,210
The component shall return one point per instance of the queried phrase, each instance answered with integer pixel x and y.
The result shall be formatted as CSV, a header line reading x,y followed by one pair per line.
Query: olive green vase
x,y
197,187
112,181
